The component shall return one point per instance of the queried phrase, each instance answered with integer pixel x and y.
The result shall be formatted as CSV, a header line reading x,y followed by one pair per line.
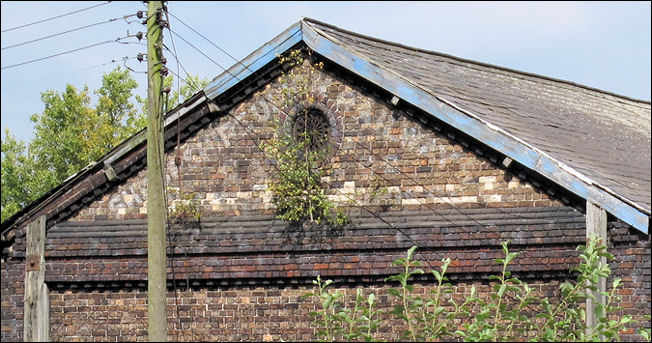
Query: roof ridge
x,y
465,60
356,57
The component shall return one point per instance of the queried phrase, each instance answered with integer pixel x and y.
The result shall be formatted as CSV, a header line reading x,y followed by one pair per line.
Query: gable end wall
x,y
247,271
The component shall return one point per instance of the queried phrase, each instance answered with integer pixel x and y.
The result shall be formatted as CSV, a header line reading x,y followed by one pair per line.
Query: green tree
x,y
68,135
118,115
63,134
16,167
191,85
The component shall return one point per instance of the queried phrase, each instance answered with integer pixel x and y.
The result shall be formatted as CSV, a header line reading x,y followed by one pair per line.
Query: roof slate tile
x,y
604,136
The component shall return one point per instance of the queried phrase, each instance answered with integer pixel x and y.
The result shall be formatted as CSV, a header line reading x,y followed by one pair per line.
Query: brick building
x,y
469,155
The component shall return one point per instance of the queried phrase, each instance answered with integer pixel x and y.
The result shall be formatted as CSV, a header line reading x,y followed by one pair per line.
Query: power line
x,y
67,73
360,206
391,225
165,9
278,169
189,79
252,138
234,76
165,191
195,31
59,16
218,47
201,52
117,40
64,32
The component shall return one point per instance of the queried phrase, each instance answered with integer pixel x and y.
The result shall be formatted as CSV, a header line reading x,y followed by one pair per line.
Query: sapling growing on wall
x,y
299,195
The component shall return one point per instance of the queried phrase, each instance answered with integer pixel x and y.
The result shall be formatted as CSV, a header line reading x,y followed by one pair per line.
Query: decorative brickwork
x,y
380,147
399,180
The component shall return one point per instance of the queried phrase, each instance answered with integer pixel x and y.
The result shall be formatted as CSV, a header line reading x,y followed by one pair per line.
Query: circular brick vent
x,y
315,125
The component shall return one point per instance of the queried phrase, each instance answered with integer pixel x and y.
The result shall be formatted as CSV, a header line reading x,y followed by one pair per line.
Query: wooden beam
x,y
471,124
256,60
596,225
36,325
507,162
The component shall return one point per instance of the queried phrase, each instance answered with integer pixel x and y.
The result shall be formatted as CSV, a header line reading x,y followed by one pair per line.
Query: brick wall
x,y
219,314
375,146
633,266
248,269
13,290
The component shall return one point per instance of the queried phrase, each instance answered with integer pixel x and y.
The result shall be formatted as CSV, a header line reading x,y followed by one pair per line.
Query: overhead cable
x,y
68,73
64,32
117,40
199,50
234,76
175,53
59,16
195,31
271,102
391,225
189,80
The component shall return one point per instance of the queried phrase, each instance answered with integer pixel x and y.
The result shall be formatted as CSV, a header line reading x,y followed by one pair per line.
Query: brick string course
x,y
238,240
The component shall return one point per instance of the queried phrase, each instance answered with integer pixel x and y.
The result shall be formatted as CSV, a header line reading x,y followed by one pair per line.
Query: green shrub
x,y
506,315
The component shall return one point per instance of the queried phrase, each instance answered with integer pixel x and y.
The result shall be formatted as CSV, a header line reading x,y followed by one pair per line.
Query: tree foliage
x,y
191,85
15,178
71,133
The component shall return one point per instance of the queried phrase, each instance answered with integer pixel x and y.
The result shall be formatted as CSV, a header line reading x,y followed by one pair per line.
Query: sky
x,y
604,45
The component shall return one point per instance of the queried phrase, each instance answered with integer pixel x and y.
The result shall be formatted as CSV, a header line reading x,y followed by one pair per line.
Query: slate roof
x,y
593,143
604,136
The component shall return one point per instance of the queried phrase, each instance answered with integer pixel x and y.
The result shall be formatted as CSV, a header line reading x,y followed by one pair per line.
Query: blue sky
x,y
605,45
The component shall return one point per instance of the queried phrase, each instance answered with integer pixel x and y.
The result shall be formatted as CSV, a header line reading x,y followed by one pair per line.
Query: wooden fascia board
x,y
255,61
107,160
141,137
477,128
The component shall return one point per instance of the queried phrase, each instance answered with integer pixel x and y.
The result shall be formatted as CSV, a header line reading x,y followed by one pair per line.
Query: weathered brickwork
x,y
380,147
13,290
210,314
248,270
632,265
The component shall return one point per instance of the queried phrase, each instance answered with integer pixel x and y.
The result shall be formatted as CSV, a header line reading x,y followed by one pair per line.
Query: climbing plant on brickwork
x,y
298,150
183,205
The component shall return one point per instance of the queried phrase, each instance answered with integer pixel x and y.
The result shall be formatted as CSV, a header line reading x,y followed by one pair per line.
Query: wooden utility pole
x,y
36,324
156,272
596,226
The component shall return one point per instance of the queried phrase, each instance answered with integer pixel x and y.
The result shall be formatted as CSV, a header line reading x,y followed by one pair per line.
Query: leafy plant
x,y
299,195
506,315
567,320
185,208
338,322
645,332
408,308
496,320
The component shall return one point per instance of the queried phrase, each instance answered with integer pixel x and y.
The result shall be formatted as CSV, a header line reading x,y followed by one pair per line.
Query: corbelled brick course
x,y
247,271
